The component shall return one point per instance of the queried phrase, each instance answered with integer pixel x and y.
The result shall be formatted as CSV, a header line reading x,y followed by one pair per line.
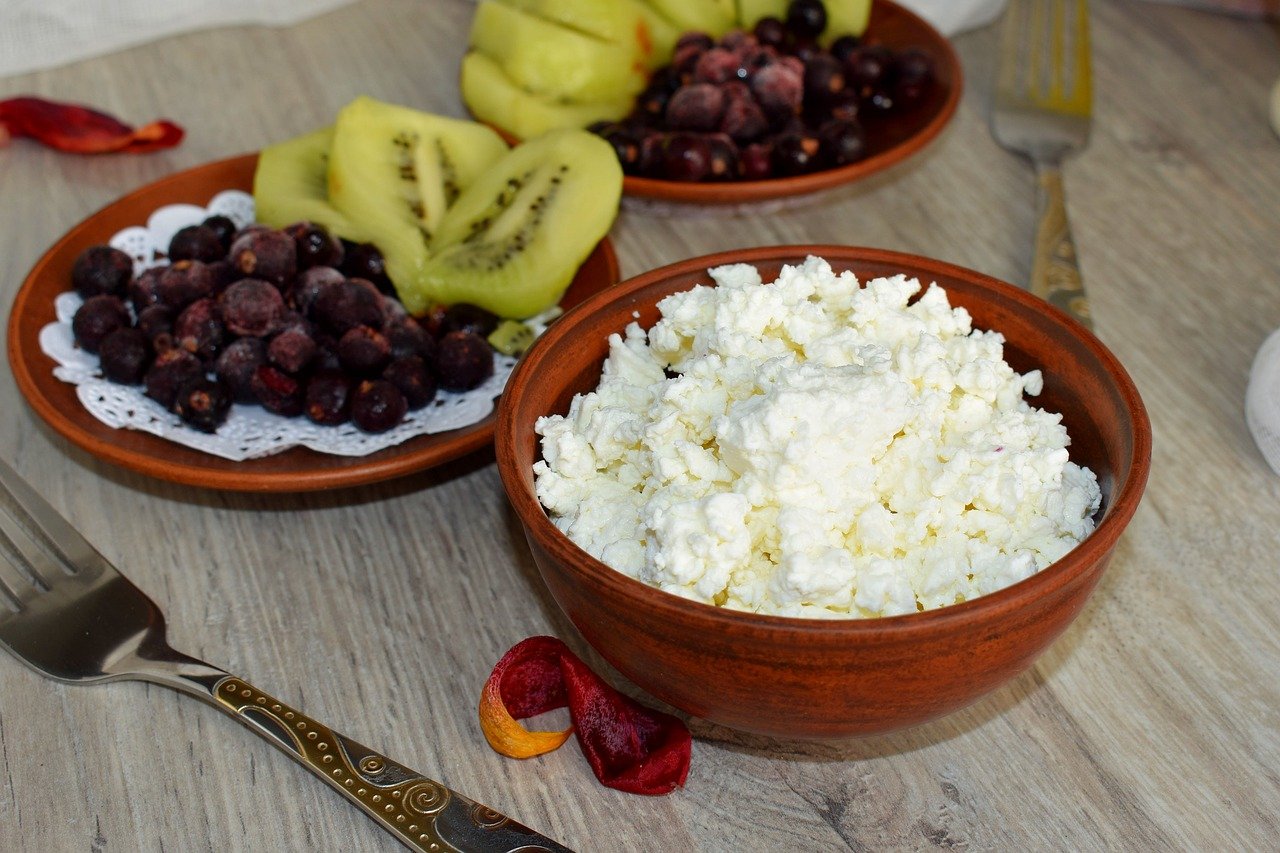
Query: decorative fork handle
x,y
1055,274
422,813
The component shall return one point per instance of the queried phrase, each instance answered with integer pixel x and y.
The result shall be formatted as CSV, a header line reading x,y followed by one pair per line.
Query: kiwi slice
x,y
291,185
514,239
395,170
512,337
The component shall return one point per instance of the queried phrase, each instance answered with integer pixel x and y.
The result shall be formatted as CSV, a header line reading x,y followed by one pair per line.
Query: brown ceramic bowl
x,y
890,139
806,678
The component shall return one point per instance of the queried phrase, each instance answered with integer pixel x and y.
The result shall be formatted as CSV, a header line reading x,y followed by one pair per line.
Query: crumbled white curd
x,y
814,448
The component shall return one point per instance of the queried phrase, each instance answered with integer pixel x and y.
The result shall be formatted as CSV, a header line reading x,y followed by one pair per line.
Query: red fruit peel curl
x,y
629,747
81,130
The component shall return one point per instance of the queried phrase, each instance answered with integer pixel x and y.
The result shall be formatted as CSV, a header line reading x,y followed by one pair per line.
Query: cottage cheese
x,y
814,448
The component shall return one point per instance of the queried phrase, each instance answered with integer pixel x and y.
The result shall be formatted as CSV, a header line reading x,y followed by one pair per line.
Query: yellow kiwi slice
x,y
395,171
514,239
492,97
291,184
714,17
751,11
630,24
556,61
846,17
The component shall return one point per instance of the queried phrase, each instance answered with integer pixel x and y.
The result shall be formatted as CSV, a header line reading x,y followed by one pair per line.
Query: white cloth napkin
x,y
37,34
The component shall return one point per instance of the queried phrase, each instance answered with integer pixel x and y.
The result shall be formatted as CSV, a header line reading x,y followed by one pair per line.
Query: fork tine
x,y
63,549
27,554
15,587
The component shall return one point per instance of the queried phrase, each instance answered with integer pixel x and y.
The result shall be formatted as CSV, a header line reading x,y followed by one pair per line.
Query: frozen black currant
x,y
347,305
293,349
377,405
223,227
806,19
203,404
277,391
102,270
125,355
463,361
144,291
328,399
407,337
98,317
183,282
236,365
415,382
363,260
465,317
156,323
363,351
196,243
252,307
316,247
199,329
171,370
267,254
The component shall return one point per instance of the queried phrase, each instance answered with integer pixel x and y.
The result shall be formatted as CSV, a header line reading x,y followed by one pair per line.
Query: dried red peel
x,y
81,130
629,747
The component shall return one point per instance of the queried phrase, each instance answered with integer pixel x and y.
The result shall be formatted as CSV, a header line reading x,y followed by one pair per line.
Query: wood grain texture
x,y
1153,723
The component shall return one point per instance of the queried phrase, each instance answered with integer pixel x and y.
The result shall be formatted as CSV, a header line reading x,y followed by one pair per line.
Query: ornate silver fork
x,y
1043,105
72,616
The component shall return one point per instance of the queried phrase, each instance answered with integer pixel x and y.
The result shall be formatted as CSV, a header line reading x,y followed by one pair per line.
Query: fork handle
x,y
1055,274
420,812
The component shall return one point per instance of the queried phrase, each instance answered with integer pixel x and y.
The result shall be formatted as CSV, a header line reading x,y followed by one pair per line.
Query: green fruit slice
x,y
291,185
714,17
553,60
492,97
514,239
846,17
395,171
648,39
512,337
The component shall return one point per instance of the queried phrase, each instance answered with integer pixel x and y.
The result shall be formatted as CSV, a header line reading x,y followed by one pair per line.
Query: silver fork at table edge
x,y
1043,108
69,614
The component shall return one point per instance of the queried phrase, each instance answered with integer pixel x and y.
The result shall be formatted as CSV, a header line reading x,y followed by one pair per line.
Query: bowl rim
x,y
630,591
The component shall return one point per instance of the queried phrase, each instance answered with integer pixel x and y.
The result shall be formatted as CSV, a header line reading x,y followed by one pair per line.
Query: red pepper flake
x,y
81,130
629,747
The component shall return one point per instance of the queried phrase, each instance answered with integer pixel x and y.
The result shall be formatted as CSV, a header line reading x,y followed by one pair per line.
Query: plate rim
x,y
32,308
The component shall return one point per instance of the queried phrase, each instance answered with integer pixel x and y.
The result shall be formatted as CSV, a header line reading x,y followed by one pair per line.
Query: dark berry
x,y
315,246
823,78
771,31
377,405
695,38
743,119
304,292
199,329
463,361
779,89
724,158
363,260
806,18
277,391
415,382
686,157
156,322
842,142
328,399
267,254
844,45
171,370
144,291
717,65
464,317
843,106
913,73
102,270
652,150
292,350
236,365
407,338
183,282
626,145
125,355
651,105
363,351
252,307
223,227
755,161
203,404
98,317
224,274
196,243
796,154
867,68
347,305
697,106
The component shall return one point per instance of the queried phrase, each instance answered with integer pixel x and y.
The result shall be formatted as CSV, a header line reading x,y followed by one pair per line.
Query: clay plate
x,y
295,470
891,139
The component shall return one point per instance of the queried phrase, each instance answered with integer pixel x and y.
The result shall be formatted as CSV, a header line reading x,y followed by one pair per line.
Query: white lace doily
x,y
250,431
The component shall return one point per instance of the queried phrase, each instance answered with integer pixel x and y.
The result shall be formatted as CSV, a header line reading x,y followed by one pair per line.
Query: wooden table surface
x,y
1153,723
